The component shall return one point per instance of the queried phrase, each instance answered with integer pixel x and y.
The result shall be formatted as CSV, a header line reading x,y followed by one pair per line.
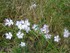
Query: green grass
x,y
55,13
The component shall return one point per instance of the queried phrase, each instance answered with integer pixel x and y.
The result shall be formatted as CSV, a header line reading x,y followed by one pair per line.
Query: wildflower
x,y
33,6
35,27
27,29
22,22
8,22
8,35
27,22
44,29
45,26
19,24
48,36
66,33
23,25
56,38
20,34
26,26
22,44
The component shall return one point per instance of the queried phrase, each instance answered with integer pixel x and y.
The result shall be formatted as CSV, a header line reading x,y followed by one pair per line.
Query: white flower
x,y
35,27
66,33
20,24
22,44
26,26
33,6
45,29
27,29
8,22
27,22
48,36
20,35
8,35
23,25
57,38
45,26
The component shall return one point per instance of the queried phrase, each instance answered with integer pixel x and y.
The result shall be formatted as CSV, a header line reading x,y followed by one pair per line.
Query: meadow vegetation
x,y
54,13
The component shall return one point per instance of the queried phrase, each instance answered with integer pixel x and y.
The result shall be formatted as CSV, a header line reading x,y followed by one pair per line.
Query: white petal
x,y
22,44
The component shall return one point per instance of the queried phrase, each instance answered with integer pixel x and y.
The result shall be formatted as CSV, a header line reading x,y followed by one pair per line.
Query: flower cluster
x,y
45,30
25,25
22,25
